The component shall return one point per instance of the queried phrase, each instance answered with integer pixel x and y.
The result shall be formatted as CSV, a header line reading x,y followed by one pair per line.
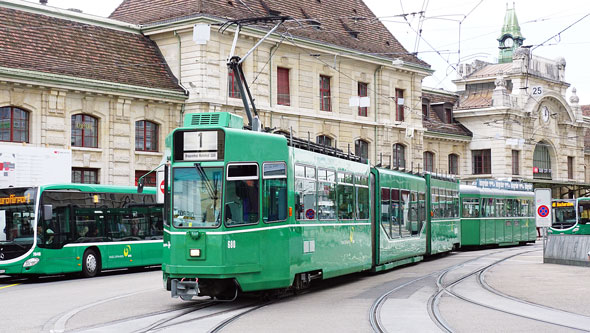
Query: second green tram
x,y
496,217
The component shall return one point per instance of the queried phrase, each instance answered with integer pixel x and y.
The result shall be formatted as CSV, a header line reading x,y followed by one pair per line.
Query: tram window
x,y
421,210
500,208
275,191
305,192
444,207
413,225
386,222
396,213
326,194
435,202
362,195
241,202
509,208
405,213
456,204
345,193
488,207
524,207
470,208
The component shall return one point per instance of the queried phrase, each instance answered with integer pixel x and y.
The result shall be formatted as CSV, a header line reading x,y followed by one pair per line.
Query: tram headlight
x,y
31,262
195,252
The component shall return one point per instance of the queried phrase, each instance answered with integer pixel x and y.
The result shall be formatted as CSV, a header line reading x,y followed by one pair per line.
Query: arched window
x,y
324,140
84,131
428,161
361,148
146,136
14,124
399,156
542,161
453,164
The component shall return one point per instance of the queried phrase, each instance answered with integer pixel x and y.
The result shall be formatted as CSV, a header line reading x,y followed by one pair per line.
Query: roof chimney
x,y
43,2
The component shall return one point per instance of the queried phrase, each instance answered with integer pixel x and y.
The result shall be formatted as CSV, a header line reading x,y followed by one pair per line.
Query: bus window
x,y
345,192
584,211
326,194
362,195
470,208
305,192
275,192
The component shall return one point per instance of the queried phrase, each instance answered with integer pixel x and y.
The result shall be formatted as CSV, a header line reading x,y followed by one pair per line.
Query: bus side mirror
x,y
140,185
47,212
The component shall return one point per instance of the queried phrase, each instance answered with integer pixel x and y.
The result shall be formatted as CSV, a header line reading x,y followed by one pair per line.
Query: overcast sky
x,y
477,22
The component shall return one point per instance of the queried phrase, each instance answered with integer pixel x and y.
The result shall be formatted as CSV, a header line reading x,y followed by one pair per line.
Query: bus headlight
x,y
195,252
31,262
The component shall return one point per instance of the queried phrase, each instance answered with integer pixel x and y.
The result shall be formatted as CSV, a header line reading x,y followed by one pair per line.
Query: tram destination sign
x,y
503,185
198,145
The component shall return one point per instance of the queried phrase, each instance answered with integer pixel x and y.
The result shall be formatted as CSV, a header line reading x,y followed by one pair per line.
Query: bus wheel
x,y
90,263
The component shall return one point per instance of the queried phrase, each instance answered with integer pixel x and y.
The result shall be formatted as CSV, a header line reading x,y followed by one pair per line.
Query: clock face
x,y
545,113
508,42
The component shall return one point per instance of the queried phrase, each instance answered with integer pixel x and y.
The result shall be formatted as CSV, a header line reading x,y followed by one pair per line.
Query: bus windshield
x,y
584,209
564,214
197,197
17,221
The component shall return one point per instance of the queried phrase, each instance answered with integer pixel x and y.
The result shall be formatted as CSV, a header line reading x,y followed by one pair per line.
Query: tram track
x,y
560,321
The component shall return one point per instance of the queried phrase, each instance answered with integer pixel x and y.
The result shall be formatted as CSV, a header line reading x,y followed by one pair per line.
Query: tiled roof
x,y
435,124
480,99
42,43
492,70
346,23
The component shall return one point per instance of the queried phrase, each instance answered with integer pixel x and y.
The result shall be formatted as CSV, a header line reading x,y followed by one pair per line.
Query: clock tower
x,y
510,38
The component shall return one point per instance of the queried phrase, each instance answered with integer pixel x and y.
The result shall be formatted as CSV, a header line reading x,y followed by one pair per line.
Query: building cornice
x,y
188,22
446,136
81,84
71,15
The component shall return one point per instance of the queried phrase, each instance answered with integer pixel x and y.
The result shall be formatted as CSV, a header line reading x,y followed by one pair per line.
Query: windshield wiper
x,y
212,189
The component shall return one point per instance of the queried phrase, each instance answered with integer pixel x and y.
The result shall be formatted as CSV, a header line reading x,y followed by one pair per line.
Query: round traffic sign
x,y
162,186
310,214
543,211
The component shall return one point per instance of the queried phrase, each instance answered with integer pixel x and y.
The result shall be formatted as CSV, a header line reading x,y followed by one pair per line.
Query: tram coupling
x,y
184,288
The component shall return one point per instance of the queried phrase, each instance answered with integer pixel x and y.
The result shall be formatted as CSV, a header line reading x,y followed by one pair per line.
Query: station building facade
x,y
335,75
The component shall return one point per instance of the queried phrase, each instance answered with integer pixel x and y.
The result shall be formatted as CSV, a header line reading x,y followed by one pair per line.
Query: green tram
x,y
65,228
571,216
250,211
496,216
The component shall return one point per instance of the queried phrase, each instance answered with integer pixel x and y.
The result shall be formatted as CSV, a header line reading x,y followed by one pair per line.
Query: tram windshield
x,y
17,221
564,213
197,197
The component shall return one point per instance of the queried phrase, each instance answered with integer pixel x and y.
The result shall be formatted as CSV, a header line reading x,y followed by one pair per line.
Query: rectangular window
x,y
149,180
233,90
325,103
482,161
425,106
362,90
305,192
241,194
448,115
470,208
362,197
570,167
345,192
414,226
453,164
399,105
283,93
515,162
396,214
274,204
405,225
386,221
84,176
326,194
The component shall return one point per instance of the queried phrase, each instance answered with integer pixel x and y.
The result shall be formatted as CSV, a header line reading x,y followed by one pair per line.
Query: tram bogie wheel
x,y
90,263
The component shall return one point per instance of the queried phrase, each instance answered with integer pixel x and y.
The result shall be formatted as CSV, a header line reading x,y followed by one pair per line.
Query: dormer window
x,y
448,115
425,108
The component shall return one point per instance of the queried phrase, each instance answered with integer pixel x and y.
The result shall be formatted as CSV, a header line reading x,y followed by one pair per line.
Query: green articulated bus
x,y
496,216
66,228
571,216
251,211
